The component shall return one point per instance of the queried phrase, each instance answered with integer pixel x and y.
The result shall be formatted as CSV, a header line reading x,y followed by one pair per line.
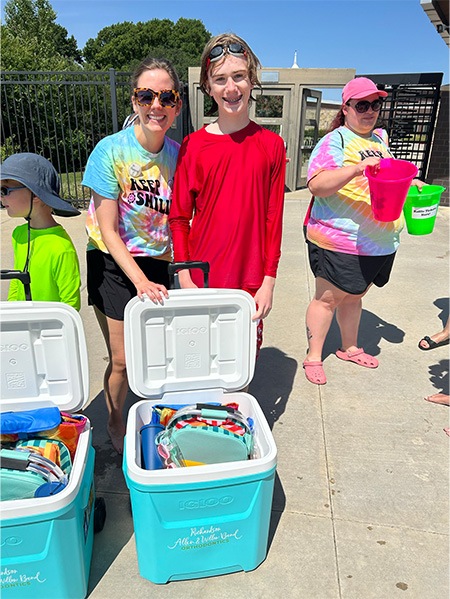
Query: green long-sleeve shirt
x,y
54,267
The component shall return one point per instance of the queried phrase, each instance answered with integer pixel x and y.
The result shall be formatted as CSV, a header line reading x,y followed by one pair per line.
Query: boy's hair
x,y
40,177
225,39
150,63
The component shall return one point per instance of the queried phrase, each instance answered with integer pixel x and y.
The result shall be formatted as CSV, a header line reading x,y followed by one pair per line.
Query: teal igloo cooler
x,y
46,542
211,519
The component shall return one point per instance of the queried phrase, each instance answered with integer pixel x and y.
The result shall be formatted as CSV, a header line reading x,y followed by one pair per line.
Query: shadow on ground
x,y
439,372
439,376
371,331
110,485
443,304
278,505
273,381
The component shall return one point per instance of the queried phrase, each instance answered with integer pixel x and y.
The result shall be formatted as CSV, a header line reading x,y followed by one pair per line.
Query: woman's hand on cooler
x,y
154,291
107,217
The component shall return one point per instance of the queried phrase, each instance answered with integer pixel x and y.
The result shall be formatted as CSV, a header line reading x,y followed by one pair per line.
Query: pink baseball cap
x,y
361,87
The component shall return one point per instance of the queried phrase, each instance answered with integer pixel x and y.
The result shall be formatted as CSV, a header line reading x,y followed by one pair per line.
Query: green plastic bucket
x,y
421,208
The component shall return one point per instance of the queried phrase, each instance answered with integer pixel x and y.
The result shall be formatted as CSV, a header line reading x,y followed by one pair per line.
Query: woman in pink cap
x,y
348,249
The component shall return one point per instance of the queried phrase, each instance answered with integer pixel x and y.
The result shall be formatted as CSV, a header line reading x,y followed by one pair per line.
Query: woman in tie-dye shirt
x,y
348,249
131,177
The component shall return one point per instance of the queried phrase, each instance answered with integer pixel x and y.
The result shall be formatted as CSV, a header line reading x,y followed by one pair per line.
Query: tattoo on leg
x,y
308,333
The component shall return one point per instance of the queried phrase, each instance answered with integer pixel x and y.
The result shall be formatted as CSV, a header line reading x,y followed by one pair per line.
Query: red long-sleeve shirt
x,y
232,187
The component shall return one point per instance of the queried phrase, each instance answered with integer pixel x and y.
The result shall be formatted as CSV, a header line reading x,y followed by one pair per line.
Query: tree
x,y
115,46
32,40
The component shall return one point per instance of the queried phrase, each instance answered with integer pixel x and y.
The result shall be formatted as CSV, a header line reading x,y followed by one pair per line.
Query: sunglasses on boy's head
x,y
146,96
5,191
219,50
363,105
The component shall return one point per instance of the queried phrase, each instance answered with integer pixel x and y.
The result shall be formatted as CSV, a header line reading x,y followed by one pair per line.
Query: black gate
x,y
409,114
61,115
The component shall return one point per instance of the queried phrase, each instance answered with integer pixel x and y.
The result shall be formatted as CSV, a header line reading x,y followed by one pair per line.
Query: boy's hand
x,y
264,298
185,280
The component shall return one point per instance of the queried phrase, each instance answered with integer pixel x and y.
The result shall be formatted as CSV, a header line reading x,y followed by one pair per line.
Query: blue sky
x,y
371,36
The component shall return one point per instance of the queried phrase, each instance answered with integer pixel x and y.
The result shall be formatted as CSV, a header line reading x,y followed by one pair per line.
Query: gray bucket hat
x,y
40,176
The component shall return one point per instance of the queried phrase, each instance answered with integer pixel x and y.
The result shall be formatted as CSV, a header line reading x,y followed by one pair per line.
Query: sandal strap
x,y
357,352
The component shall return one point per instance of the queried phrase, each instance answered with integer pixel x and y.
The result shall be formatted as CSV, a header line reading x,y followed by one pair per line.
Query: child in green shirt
x,y
30,190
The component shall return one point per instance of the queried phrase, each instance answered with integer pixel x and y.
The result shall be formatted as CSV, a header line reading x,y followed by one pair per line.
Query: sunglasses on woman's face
x,y
146,96
363,106
219,50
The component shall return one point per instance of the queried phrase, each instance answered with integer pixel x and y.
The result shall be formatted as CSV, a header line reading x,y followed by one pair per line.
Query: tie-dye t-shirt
x,y
343,222
121,170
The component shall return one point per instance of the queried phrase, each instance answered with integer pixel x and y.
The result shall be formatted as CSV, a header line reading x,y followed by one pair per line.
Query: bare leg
x,y
348,316
440,398
115,378
319,316
446,330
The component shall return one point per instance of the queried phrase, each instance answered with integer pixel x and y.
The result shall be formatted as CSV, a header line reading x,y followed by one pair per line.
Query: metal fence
x,y
409,113
63,114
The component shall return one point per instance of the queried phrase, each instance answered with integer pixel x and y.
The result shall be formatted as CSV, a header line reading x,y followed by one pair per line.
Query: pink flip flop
x,y
314,372
359,357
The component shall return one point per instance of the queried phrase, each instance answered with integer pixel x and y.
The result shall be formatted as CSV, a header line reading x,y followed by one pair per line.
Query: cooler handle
x,y
175,267
23,276
12,459
209,411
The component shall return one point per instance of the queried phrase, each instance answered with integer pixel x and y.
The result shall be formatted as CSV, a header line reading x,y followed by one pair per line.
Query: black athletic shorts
x,y
350,273
109,289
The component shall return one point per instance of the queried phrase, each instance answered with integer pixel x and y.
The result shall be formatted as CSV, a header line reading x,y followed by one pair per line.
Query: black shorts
x,y
350,273
108,287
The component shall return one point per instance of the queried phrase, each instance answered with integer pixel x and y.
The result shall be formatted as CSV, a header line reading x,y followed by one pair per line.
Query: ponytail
x,y
338,121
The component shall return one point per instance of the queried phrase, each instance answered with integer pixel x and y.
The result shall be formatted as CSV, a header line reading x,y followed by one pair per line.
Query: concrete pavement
x,y
360,507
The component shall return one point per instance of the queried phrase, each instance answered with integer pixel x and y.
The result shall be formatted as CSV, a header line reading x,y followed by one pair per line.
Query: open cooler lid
x,y
43,357
198,339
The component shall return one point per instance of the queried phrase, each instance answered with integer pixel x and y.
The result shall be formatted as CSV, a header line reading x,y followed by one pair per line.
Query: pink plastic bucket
x,y
389,187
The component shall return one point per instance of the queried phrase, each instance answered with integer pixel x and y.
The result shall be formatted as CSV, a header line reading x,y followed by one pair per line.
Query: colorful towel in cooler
x,y
52,449
68,431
